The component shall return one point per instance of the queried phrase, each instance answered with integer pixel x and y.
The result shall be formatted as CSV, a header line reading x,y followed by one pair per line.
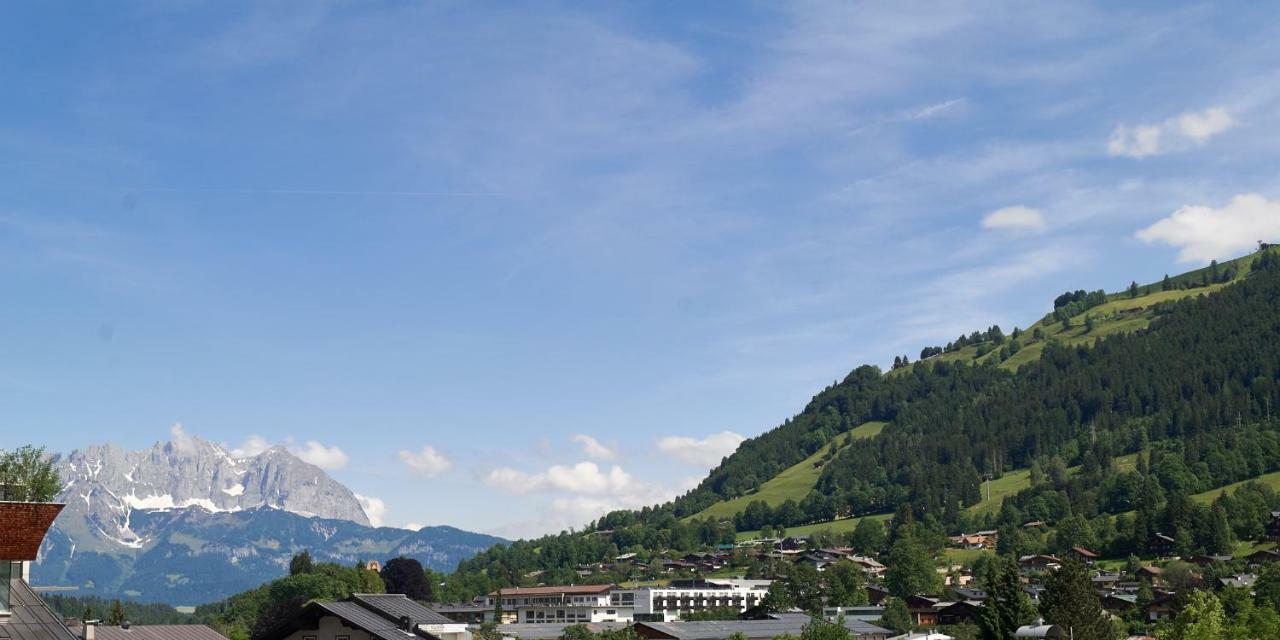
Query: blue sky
x,y
505,266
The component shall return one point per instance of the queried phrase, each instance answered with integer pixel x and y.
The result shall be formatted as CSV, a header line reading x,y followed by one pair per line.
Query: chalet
x,y
965,593
1206,560
1240,581
1263,556
1163,606
1273,527
1150,574
794,543
1038,563
870,566
923,610
971,541
1160,545
1118,603
1084,555
876,594
464,612
961,612
376,616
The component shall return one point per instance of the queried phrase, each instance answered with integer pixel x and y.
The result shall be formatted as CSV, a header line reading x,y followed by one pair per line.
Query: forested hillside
x,y
1183,373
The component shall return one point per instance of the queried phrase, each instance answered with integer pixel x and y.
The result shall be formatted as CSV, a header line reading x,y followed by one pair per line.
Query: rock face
x,y
187,522
106,484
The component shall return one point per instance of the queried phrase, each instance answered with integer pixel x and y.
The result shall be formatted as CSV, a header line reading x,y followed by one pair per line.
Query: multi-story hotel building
x,y
681,597
566,605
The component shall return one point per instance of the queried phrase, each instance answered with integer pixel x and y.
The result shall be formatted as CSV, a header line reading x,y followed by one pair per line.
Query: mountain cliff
x,y
187,522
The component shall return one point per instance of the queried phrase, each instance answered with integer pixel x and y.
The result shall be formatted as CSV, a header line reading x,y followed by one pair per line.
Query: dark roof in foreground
x,y
366,620
552,630
30,617
767,629
397,605
158,632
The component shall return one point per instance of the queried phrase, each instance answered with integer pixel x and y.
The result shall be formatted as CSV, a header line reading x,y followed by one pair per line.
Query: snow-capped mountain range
x,y
188,521
105,484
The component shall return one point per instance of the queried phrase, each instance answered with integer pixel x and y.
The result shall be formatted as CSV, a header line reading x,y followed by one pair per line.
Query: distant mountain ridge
x,y
187,522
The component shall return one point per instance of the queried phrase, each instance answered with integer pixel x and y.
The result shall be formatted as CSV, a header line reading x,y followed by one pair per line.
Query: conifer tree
x,y
1070,602
1007,606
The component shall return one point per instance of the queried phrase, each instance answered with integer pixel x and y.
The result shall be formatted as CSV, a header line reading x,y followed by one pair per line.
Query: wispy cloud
x,y
1175,134
1203,233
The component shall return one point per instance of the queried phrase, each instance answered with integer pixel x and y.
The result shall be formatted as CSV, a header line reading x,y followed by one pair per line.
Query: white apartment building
x,y
666,604
563,605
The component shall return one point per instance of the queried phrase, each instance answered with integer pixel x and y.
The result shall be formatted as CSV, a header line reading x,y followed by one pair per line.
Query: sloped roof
x,y
394,606
158,632
577,589
357,616
30,618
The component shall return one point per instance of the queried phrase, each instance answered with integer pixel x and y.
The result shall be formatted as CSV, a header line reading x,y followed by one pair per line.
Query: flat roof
x,y
575,589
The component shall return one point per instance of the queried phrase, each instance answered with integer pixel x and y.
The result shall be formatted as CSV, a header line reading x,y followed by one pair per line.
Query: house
x,y
1241,581
961,612
1083,555
1163,606
876,593
1038,563
464,612
863,612
1263,556
1273,527
127,631
1160,545
972,541
1118,603
794,543
1150,574
1033,524
380,616
923,610
870,566
25,615
1206,560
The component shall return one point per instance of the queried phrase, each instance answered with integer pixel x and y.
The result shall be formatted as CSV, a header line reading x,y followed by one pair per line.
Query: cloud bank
x,y
1202,233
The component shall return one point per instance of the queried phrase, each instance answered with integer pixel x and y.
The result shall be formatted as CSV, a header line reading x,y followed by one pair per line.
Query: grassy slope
x,y
795,482
1120,314
1270,479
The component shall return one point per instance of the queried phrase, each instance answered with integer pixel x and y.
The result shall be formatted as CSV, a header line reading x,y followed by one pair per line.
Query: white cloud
x,y
1202,126
1015,218
327,458
1203,233
582,478
1174,134
412,526
373,507
181,441
706,452
428,462
593,449
252,446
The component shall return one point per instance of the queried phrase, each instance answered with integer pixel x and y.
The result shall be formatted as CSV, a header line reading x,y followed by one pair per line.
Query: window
x,y
611,612
6,569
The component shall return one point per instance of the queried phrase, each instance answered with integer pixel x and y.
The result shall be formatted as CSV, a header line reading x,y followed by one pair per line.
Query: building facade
x,y
681,597
571,604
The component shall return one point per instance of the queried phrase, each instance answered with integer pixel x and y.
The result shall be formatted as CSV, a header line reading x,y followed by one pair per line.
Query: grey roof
x,y
551,631
30,618
357,616
396,606
158,632
766,629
